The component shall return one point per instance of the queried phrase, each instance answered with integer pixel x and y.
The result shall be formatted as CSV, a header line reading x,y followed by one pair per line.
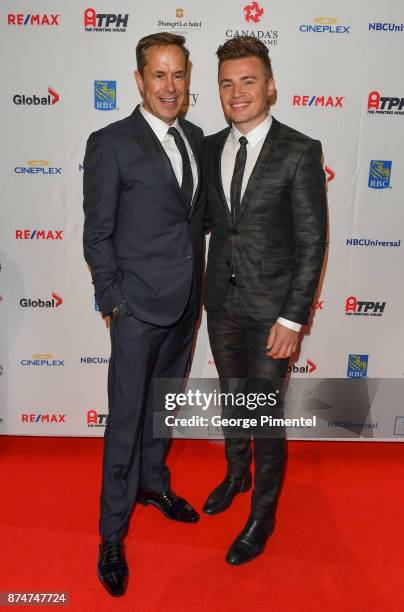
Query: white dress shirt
x,y
255,141
160,128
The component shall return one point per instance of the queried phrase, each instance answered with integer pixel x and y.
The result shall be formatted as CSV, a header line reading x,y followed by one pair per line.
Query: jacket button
x,y
234,232
188,257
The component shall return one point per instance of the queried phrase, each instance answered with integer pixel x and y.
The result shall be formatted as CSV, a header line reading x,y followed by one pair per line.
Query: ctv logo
x,y
322,101
379,174
43,418
384,105
363,308
96,420
105,22
105,95
37,166
357,366
307,369
34,100
19,19
39,303
37,234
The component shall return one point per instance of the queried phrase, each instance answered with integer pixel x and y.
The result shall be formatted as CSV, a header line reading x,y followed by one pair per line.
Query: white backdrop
x,y
328,57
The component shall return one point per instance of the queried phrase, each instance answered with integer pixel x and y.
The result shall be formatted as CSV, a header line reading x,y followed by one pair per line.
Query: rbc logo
x,y
379,174
357,366
105,95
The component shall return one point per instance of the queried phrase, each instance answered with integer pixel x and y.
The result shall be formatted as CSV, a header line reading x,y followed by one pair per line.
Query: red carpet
x,y
338,543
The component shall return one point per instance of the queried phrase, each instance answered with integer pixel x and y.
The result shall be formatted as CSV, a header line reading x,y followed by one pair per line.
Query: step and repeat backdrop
x,y
67,70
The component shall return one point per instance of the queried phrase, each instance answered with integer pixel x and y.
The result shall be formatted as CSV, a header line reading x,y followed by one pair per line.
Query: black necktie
x,y
237,178
187,185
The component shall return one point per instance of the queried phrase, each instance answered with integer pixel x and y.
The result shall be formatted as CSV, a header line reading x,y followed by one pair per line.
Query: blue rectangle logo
x,y
379,174
357,366
105,95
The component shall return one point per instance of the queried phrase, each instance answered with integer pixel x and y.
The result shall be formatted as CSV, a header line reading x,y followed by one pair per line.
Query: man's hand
x,y
282,341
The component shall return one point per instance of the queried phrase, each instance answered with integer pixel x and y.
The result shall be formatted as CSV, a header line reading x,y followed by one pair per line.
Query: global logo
x,y
37,234
373,242
325,25
305,369
36,100
253,12
385,105
42,359
329,173
386,27
363,308
105,95
54,302
357,366
105,22
37,166
321,101
379,174
96,420
50,417
20,19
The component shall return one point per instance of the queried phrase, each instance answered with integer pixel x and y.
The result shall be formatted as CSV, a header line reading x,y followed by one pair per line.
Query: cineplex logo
x,y
37,166
385,105
37,100
37,234
105,22
54,302
22,19
322,101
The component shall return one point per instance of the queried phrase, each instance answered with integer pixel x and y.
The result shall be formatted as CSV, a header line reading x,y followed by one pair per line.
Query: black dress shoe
x,y
251,541
173,507
221,497
112,567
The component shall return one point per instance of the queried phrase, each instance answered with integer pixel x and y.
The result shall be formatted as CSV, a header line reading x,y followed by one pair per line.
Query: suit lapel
x,y
217,178
154,150
261,167
196,151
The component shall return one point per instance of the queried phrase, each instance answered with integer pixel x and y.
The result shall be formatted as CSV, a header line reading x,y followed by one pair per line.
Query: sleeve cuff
x,y
290,324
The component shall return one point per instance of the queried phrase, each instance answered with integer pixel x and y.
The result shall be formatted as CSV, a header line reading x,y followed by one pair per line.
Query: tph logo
x,y
38,234
379,174
321,101
253,12
37,166
105,95
105,22
307,369
357,366
384,105
363,308
36,100
96,420
20,19
39,303
43,418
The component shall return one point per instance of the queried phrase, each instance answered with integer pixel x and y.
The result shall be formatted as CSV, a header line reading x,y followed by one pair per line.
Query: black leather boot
x,y
221,498
251,541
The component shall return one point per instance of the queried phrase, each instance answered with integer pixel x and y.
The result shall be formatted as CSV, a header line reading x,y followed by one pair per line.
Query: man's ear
x,y
271,88
139,81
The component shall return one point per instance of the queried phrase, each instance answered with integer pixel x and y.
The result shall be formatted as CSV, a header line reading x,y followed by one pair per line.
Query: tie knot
x,y
243,141
173,131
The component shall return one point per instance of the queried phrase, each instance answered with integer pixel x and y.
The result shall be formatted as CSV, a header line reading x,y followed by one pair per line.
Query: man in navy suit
x,y
143,240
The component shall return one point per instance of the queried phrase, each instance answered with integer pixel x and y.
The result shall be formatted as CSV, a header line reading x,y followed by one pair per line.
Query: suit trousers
x,y
238,344
133,458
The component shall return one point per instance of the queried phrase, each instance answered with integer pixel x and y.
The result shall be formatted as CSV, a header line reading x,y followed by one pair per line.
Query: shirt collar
x,y
253,137
159,127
